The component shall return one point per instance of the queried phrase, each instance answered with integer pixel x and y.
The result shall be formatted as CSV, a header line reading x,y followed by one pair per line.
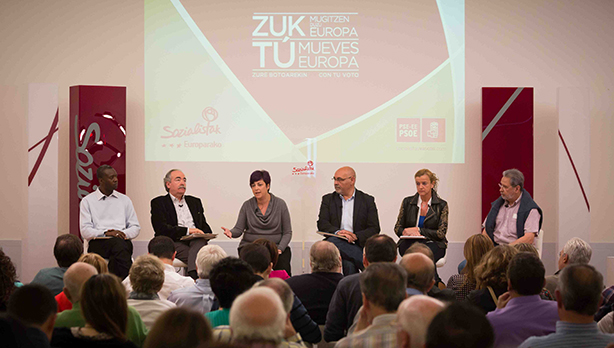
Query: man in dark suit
x,y
351,214
176,215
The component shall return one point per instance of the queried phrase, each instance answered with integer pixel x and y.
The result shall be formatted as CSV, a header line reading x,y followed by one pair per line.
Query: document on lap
x,y
199,235
326,234
412,237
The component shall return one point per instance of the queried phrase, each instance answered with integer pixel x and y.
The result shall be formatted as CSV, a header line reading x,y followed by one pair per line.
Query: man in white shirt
x,y
108,221
164,249
177,215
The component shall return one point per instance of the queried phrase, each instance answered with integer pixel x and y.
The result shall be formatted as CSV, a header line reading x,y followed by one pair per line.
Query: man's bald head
x,y
345,179
324,257
420,271
258,316
414,316
75,276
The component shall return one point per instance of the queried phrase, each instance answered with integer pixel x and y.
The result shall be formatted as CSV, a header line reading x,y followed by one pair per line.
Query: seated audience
x,y
67,250
229,278
420,273
413,318
31,312
445,295
105,310
200,297
179,328
459,325
258,319
90,258
8,277
475,248
577,298
164,248
521,313
316,289
258,257
545,294
491,277
147,276
272,247
347,299
575,251
75,277
383,287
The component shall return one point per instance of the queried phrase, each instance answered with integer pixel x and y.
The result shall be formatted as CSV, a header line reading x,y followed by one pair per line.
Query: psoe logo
x,y
309,169
209,128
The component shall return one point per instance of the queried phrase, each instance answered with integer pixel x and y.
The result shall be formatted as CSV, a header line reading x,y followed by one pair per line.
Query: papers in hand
x,y
412,237
326,234
199,235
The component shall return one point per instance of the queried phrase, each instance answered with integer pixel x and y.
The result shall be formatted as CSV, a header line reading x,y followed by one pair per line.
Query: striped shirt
x,y
382,333
571,335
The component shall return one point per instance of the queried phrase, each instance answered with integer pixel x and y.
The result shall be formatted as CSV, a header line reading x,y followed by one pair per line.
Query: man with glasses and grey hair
x,y
176,215
575,251
514,217
352,215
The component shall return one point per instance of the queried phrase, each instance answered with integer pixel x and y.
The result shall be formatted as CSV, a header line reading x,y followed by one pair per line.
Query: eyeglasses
x,y
340,179
505,187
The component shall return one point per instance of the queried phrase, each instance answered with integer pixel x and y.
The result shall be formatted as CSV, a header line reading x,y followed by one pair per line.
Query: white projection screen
x,y
305,82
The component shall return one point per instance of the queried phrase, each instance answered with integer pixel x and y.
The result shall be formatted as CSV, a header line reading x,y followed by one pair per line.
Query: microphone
x,y
180,205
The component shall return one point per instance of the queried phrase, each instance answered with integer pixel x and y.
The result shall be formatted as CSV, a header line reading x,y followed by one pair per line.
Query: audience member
x,y
179,328
8,277
66,250
475,248
445,295
347,299
31,313
258,257
413,318
521,313
459,325
491,277
575,251
420,273
90,258
577,298
147,277
164,248
383,287
229,278
200,297
272,247
75,277
105,310
316,289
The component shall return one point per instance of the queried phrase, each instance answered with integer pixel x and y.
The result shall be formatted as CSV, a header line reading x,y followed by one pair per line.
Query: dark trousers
x,y
118,251
187,251
351,255
283,262
438,253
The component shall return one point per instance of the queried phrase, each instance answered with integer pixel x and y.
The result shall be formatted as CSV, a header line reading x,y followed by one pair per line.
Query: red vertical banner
x,y
507,138
97,137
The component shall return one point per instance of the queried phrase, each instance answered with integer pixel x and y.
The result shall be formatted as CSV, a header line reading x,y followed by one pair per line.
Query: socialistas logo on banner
x,y
309,169
195,132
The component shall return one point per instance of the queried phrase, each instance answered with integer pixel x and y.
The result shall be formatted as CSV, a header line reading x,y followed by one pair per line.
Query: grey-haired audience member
x,y
574,251
413,318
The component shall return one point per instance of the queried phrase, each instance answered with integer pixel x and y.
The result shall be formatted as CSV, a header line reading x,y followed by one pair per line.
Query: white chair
x,y
441,262
179,266
539,242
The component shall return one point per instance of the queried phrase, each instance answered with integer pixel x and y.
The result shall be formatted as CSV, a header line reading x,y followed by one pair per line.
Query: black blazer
x,y
164,217
366,220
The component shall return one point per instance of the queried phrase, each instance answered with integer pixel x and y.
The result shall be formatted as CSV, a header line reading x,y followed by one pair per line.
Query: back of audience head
x,y
8,276
282,289
575,251
147,275
179,328
74,278
420,271
526,248
324,257
67,250
579,289
271,247
492,270
207,257
258,257
475,248
422,249
380,248
413,318
257,316
104,305
162,247
526,274
95,260
229,278
383,284
460,325
34,305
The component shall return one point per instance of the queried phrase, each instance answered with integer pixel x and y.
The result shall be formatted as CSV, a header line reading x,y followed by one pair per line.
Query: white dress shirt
x,y
99,213
184,216
347,215
172,281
